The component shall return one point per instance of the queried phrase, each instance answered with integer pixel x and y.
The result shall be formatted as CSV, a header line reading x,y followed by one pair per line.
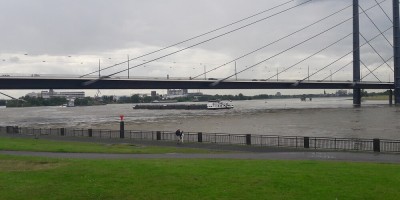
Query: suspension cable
x,y
343,56
273,42
369,71
337,70
377,67
217,29
377,52
323,49
247,68
281,52
384,11
376,26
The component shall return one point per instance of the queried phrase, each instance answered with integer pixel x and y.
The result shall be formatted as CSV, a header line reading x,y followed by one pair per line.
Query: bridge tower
x,y
396,51
356,54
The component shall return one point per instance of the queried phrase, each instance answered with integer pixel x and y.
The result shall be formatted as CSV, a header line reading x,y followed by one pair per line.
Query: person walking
x,y
179,135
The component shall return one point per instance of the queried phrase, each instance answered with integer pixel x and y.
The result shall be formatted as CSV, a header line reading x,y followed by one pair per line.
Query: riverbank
x,y
377,98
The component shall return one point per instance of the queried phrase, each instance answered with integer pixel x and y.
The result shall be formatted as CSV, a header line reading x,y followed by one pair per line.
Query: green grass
x,y
27,144
23,177
378,97
44,178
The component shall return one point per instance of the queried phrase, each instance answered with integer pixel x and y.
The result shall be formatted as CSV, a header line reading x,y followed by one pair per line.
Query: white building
x,y
67,95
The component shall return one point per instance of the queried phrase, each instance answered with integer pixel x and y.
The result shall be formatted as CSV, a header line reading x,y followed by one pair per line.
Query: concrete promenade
x,y
233,152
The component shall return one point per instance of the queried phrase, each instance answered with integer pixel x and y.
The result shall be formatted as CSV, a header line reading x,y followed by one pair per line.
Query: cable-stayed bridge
x,y
321,77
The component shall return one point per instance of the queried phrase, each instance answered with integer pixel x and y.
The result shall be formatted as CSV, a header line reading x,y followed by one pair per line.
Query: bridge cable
x,y
384,11
369,71
377,52
378,67
11,97
226,33
281,52
323,49
247,68
376,26
273,42
337,71
206,33
343,56
351,63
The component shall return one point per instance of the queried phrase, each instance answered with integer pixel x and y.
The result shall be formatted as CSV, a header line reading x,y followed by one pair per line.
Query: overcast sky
x,y
70,37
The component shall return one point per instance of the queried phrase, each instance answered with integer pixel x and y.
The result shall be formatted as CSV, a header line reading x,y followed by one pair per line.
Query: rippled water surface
x,y
324,117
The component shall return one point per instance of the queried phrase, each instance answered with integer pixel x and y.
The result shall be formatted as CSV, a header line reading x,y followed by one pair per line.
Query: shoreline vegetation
x,y
31,177
27,101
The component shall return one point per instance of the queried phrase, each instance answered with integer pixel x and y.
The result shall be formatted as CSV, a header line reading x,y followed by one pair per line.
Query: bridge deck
x,y
118,83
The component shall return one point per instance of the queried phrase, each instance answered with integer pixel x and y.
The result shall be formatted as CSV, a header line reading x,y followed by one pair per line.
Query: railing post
x,y
158,135
8,129
248,139
377,145
306,142
62,131
199,137
12,129
90,132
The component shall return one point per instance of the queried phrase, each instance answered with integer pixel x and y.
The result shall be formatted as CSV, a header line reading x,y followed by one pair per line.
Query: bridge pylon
x,y
396,51
356,54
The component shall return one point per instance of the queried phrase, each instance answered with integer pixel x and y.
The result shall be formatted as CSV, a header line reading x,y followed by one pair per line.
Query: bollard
x,y
62,131
248,139
121,129
158,135
199,137
377,145
306,142
90,132
390,97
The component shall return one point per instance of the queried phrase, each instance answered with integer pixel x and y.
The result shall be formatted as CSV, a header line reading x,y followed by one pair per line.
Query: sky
x,y
71,38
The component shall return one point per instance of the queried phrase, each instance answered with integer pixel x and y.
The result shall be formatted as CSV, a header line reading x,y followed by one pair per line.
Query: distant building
x,y
33,94
278,94
177,92
341,93
68,95
153,93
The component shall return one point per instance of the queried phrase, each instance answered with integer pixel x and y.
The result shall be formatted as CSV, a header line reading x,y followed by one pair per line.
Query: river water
x,y
321,117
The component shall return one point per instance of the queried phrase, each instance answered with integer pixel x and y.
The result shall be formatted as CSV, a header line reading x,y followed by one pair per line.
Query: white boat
x,y
219,105
71,103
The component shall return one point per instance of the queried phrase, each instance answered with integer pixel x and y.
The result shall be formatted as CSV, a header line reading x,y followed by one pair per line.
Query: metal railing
x,y
341,144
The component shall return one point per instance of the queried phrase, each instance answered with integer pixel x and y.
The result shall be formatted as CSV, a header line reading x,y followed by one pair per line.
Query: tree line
x,y
27,101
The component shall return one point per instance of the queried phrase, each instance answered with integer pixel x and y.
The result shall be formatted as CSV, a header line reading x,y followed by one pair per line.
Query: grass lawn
x,y
378,97
45,178
27,144
23,177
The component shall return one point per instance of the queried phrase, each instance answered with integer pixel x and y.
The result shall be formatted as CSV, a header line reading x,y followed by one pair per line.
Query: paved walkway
x,y
235,152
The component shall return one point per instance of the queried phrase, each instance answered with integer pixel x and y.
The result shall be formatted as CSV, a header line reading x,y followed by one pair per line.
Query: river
x,y
321,117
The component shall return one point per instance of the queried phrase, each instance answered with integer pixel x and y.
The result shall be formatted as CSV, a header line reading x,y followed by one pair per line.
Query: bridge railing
x,y
320,143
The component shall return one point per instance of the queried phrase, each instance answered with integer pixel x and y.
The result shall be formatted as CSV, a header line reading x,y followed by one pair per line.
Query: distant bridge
x,y
162,83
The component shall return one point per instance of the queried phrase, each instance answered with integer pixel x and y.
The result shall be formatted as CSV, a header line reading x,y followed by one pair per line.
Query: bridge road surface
x,y
234,152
